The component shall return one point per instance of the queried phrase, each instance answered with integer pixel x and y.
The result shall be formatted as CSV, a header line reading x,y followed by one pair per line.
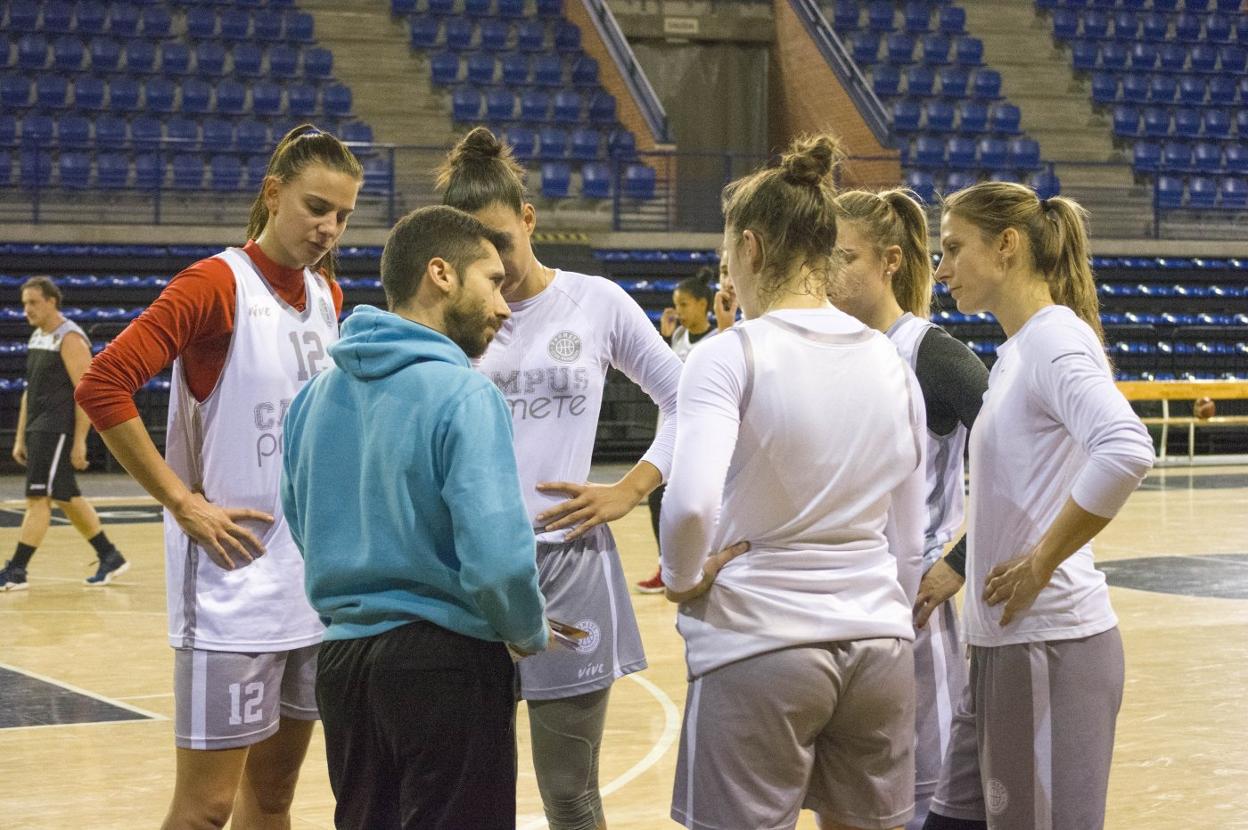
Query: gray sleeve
x,y
953,380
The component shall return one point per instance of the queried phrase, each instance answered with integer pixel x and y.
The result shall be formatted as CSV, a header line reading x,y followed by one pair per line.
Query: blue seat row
x,y
1202,192
1141,5
157,21
1182,157
973,118
107,56
916,17
513,69
927,184
536,106
145,171
921,82
461,34
510,9
1160,122
93,282
961,153
1189,290
933,49
584,144
166,95
1109,88
1128,26
1172,58
637,181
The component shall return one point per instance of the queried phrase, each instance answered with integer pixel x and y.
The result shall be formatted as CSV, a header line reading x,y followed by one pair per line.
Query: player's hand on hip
x,y
78,456
1016,583
217,531
19,453
710,569
587,506
938,585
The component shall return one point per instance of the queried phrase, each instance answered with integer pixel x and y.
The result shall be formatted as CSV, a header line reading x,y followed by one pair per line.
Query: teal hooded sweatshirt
x,y
401,490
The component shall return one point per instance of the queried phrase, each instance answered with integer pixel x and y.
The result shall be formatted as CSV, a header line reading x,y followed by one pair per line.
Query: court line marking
x,y
145,697
30,611
84,693
671,730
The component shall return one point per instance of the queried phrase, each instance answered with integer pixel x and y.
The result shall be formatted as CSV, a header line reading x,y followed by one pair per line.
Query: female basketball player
x,y
550,361
886,282
1055,453
244,330
799,651
684,325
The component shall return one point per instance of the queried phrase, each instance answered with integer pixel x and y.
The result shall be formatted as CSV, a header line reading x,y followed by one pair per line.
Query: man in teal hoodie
x,y
401,490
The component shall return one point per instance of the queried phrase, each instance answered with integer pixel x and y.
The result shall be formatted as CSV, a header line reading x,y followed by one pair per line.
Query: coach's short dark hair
x,y
422,235
46,287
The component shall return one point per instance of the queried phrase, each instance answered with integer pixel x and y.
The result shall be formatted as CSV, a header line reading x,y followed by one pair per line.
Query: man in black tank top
x,y
51,439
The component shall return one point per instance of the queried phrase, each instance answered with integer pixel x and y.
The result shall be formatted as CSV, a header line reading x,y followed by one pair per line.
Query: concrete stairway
x,y
1057,111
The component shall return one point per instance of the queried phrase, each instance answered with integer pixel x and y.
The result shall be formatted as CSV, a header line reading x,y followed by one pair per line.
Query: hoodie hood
x,y
376,343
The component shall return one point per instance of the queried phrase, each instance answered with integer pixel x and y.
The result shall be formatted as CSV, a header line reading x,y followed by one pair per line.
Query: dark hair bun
x,y
479,144
811,160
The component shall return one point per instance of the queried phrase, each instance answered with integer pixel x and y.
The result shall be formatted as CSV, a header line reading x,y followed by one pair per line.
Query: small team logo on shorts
x,y
998,798
590,644
565,346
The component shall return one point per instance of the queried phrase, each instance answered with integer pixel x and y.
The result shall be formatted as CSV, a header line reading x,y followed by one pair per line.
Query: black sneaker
x,y
112,566
13,578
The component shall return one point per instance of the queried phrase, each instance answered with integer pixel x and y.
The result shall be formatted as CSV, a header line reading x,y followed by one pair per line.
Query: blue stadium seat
x,y
1146,157
1191,90
141,57
555,180
16,91
1221,90
1104,88
51,92
1126,121
500,105
123,94
112,170
218,135
920,81
1173,57
68,54
959,180
1006,119
424,32
960,152
515,69
1155,26
267,26
231,98
549,8
584,144
300,27
210,60
301,100
1204,58
1114,56
993,153
969,51
1126,27
149,171
458,32
1156,122
1217,124
602,108
1046,184
32,51
865,46
444,68
1095,25
899,48
1232,60
110,132
37,129
481,67
494,35
531,36
585,71
639,182
953,82
35,167
972,118
952,20
356,132
553,143
1202,192
157,22
201,23
880,16
1187,123
225,172
1234,193
6,167
916,17
465,104
146,132
987,84
1207,157
1218,28
439,8
196,96
1024,154
921,182
1065,24
928,152
283,61
58,17
511,8
935,49
336,100
1176,156
1144,57
548,70
159,95
596,181
885,80
1135,88
939,116
1085,54
8,130
234,24
123,20
567,106
183,131
906,116
567,37
523,143
1187,27
91,18
105,55
188,171
318,63
1162,88
253,137
845,15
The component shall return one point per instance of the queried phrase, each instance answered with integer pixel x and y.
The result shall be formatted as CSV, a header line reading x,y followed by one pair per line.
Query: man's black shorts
x,y
48,468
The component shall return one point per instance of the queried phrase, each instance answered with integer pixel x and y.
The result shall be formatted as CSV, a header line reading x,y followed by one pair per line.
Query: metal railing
x,y
639,85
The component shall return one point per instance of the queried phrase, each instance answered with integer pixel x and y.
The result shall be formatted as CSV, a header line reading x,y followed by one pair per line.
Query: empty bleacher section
x,y
1171,76
120,96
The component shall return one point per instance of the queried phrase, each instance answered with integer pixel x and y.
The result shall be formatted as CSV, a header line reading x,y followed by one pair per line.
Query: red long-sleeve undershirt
x,y
192,318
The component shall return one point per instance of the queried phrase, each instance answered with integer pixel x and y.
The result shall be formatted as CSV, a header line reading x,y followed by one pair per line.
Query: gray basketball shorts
x,y
225,700
940,676
1033,737
826,727
584,585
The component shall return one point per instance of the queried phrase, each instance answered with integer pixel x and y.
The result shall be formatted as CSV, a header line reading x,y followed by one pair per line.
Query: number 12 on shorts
x,y
245,703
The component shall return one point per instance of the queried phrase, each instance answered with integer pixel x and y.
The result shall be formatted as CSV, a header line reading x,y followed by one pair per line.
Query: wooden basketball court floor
x,y
1177,555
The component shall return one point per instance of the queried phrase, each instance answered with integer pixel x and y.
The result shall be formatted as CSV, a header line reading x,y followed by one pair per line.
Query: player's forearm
x,y
82,425
640,481
21,420
1073,528
131,445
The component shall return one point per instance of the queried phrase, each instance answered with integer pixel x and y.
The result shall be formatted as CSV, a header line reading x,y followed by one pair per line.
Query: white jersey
x,y
550,361
801,432
945,471
682,344
229,448
1053,426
